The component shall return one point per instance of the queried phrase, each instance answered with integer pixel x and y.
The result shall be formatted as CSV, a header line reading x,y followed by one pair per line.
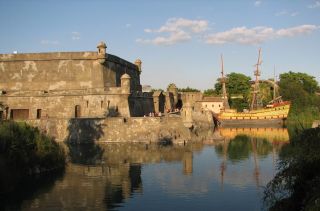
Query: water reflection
x,y
87,154
229,164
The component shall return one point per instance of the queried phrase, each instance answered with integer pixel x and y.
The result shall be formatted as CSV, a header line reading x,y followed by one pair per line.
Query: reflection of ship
x,y
247,145
270,134
275,113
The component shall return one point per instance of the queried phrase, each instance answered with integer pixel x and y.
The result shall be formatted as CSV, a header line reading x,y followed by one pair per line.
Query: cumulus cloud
x,y
49,42
175,30
257,3
256,35
75,36
315,5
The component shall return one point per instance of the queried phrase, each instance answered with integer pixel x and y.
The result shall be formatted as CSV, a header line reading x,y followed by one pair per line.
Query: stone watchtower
x,y
186,115
102,52
125,83
138,64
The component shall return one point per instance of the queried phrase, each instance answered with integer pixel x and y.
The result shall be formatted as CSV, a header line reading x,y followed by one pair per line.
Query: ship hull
x,y
276,116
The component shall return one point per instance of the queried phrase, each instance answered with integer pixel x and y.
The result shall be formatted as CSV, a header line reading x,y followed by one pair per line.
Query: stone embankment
x,y
121,129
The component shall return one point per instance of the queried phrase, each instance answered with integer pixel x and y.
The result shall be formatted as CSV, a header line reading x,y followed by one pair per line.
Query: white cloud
x,y
173,38
49,42
285,12
315,5
175,30
257,3
293,31
256,35
75,36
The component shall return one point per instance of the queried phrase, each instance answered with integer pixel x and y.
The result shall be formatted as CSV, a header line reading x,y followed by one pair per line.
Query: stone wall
x,y
70,84
63,71
116,129
64,105
141,103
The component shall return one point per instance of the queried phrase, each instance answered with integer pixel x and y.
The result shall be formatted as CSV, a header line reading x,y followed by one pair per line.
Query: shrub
x,y
26,149
297,184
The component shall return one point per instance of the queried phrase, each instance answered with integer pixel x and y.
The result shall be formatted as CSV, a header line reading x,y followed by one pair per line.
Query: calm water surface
x,y
224,172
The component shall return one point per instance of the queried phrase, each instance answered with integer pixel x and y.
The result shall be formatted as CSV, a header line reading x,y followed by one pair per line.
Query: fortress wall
x,y
57,82
115,67
140,106
50,71
63,106
117,129
63,71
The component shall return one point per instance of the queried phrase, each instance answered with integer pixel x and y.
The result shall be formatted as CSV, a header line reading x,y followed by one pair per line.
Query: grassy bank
x,y
297,184
25,152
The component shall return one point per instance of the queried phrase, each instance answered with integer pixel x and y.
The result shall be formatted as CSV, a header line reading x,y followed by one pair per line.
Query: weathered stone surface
x,y
70,84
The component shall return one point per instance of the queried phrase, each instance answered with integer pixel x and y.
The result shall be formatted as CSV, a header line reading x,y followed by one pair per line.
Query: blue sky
x,y
178,41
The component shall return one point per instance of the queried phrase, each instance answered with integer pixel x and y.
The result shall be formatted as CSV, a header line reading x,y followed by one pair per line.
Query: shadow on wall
x,y
84,131
112,112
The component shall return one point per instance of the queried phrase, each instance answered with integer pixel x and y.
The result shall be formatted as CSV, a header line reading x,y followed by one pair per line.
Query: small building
x,y
214,104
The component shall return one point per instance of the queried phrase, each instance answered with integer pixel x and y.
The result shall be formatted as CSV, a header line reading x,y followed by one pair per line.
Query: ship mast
x,y
274,83
256,101
224,90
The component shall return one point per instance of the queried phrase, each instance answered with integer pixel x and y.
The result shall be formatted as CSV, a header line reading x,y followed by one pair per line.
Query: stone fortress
x,y
59,86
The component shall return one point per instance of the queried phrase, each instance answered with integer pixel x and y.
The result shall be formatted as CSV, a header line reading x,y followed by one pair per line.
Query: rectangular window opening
x,y
38,113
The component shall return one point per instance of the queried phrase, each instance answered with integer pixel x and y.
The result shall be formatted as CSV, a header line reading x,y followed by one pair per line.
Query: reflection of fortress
x,y
114,174
114,180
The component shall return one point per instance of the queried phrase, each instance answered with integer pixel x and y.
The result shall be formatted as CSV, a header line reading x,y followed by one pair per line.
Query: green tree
x,y
300,88
209,92
188,89
155,89
266,93
237,85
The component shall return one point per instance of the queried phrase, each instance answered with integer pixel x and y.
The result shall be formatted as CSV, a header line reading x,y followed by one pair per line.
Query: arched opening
x,y
77,111
179,104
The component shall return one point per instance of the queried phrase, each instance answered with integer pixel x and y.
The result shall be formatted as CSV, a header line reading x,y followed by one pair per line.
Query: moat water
x,y
225,172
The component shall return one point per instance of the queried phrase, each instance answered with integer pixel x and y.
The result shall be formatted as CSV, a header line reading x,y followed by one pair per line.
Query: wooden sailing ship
x,y
275,113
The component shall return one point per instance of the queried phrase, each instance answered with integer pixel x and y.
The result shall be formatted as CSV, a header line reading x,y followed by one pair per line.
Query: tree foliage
x,y
237,84
209,92
297,184
300,88
26,149
188,89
